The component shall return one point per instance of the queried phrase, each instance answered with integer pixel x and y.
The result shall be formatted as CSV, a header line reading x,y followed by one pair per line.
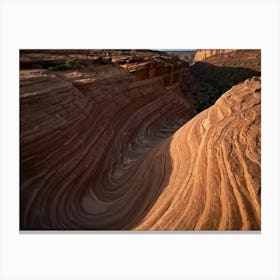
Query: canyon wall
x,y
114,144
216,74
202,54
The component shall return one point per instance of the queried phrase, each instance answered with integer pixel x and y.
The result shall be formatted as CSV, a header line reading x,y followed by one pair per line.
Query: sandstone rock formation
x,y
202,54
247,59
218,73
100,146
86,132
215,179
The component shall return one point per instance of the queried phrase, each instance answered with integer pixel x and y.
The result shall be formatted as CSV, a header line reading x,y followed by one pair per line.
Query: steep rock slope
x,y
215,179
219,72
87,138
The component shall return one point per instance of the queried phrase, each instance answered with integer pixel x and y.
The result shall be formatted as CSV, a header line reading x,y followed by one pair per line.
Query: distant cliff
x,y
203,53
218,73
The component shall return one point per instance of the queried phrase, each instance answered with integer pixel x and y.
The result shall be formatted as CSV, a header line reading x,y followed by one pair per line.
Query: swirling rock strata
x,y
215,178
88,138
99,150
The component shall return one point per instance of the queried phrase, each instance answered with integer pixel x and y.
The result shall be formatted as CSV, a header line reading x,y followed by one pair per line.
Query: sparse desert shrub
x,y
69,64
57,67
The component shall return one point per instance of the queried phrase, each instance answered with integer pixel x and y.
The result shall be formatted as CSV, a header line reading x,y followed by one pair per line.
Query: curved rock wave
x,y
88,139
103,150
215,178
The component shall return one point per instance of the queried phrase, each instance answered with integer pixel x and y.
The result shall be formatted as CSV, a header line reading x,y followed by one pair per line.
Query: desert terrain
x,y
140,140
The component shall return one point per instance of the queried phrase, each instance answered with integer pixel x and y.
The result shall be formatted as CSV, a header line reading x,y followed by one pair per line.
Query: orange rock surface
x,y
202,54
215,179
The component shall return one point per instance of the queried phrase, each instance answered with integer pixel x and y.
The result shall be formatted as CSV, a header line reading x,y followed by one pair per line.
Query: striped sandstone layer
x,y
215,178
102,148
88,139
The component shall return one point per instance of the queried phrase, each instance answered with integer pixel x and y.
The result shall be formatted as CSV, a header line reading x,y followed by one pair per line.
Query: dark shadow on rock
x,y
71,174
214,80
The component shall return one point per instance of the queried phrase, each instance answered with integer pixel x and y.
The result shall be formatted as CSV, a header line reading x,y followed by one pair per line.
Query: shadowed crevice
x,y
214,80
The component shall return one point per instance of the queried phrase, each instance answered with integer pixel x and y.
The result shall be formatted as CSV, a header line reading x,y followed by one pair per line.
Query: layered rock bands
x,y
116,146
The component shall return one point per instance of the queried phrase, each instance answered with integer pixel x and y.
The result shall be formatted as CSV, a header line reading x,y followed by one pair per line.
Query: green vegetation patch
x,y
68,64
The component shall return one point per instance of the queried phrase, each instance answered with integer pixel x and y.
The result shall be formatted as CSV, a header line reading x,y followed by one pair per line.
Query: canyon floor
x,y
140,140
